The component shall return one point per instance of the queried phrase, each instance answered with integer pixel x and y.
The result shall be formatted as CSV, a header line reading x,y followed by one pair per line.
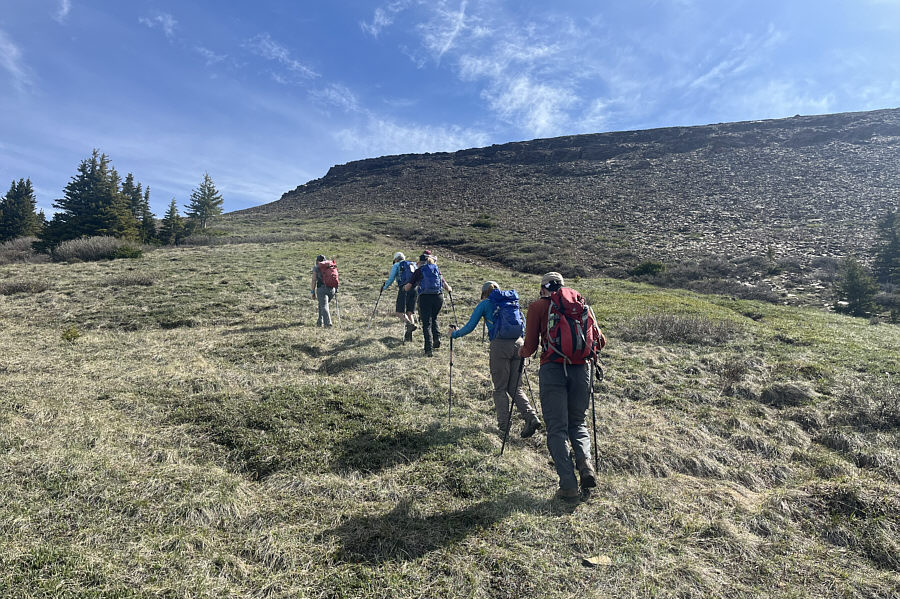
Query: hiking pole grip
x,y
512,405
452,305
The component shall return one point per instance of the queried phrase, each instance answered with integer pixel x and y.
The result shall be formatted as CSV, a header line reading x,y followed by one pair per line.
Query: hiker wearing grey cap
x,y
505,324
402,271
565,382
430,284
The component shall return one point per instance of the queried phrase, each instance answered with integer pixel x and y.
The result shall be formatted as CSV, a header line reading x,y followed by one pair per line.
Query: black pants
x,y
429,306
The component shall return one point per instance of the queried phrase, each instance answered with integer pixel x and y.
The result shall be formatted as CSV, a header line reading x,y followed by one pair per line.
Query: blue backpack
x,y
431,279
407,268
507,317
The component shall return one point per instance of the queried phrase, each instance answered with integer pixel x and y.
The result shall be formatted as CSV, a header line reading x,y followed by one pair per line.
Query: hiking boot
x,y
437,344
568,495
530,428
587,474
408,335
429,353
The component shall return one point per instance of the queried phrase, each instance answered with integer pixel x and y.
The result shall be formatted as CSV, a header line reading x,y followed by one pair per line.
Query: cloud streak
x,y
264,46
12,63
164,21
65,7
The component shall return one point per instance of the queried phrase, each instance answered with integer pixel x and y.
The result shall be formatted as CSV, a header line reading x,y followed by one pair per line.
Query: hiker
x,y
402,272
505,325
430,284
564,376
324,287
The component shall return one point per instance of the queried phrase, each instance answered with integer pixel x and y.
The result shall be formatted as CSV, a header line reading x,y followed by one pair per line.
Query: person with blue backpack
x,y
402,272
506,329
431,285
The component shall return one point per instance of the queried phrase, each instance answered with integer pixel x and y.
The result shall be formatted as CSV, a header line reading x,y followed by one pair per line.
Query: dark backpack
x,y
507,316
572,331
407,268
431,279
328,273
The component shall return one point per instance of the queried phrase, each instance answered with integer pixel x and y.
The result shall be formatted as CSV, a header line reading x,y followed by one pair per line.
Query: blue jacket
x,y
394,272
484,309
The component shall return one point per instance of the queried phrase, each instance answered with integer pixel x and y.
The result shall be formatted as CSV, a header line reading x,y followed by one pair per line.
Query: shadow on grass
x,y
372,452
403,534
264,329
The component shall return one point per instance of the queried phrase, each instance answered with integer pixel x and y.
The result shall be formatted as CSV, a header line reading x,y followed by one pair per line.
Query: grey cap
x,y
552,277
489,286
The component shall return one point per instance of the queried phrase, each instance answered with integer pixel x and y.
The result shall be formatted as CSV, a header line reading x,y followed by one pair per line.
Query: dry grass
x,y
243,452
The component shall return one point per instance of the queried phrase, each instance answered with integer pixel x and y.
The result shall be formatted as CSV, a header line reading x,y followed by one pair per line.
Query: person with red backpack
x,y
567,331
506,326
430,284
324,287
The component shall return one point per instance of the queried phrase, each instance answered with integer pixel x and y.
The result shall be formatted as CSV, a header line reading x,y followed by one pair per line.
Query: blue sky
x,y
266,95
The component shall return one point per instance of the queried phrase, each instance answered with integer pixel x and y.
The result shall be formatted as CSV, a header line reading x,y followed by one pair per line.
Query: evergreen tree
x,y
887,250
856,287
171,229
206,202
93,204
17,211
148,219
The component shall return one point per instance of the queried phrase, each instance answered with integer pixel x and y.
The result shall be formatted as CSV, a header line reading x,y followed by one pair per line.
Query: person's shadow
x,y
372,451
403,534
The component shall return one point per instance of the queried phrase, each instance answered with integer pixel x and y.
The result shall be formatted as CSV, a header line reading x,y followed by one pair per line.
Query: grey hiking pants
x,y
565,398
504,363
325,295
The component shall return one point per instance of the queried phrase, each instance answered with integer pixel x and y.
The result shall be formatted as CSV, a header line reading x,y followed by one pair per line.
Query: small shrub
x,y
71,334
671,328
648,267
127,251
782,395
13,287
90,249
483,222
20,250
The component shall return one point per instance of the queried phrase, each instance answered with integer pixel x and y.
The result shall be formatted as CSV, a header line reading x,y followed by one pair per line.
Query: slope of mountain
x,y
777,196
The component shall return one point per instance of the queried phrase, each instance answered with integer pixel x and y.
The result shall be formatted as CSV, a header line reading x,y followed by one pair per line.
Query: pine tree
x,y
856,287
171,229
887,250
148,219
206,202
17,212
93,204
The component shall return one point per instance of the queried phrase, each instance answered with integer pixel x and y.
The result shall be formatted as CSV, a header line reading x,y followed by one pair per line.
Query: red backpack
x,y
572,331
328,272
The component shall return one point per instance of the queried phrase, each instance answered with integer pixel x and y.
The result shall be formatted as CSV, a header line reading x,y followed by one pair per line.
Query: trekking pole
x,y
450,400
530,391
371,318
512,405
596,370
337,309
455,319
483,327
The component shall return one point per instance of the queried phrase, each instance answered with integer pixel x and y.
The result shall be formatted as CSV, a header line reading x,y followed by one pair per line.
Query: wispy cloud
x,y
336,95
781,98
263,45
65,7
442,30
11,61
744,54
209,56
379,137
164,21
384,17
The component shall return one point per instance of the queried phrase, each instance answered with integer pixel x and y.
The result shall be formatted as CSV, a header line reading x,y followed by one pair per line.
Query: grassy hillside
x,y
176,426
